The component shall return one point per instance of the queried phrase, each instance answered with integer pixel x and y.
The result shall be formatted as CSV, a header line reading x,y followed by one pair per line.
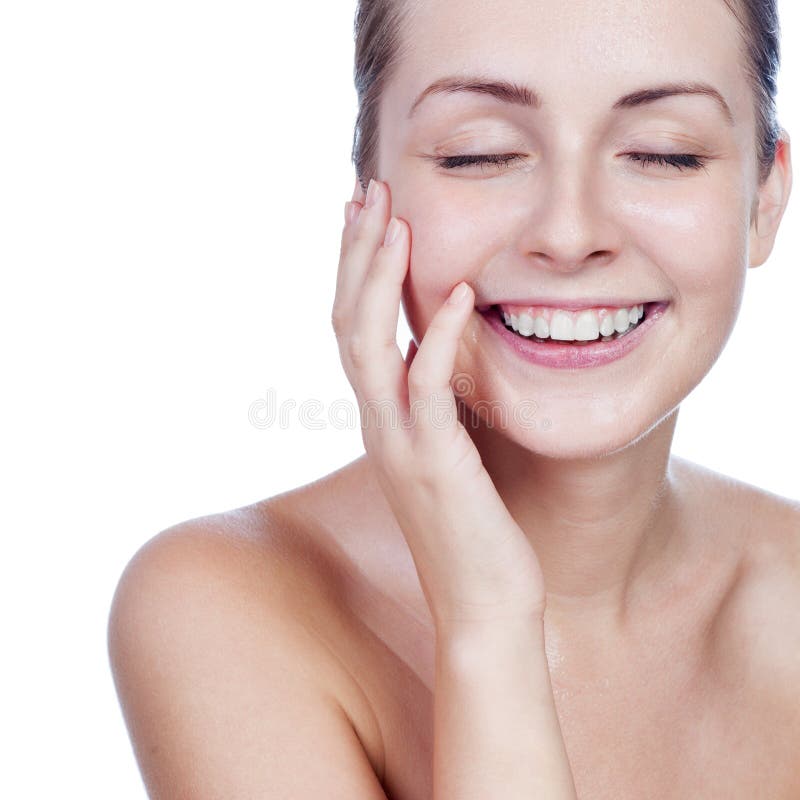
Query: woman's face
x,y
575,216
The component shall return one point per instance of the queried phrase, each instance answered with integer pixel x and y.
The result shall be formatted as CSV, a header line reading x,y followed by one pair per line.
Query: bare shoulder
x,y
768,523
757,630
737,495
208,617
766,606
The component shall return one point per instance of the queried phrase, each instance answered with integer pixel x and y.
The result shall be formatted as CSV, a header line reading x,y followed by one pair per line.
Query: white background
x,y
172,182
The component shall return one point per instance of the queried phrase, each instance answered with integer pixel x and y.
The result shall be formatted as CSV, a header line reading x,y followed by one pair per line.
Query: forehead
x,y
584,52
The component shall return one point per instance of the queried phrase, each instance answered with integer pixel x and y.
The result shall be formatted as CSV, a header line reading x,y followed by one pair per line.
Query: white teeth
x,y
525,324
566,327
587,327
607,326
561,327
622,320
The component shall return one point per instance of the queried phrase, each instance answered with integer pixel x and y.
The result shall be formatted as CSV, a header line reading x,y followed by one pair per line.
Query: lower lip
x,y
570,355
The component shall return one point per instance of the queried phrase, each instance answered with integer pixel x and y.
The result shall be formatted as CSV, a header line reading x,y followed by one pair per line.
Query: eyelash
x,y
677,161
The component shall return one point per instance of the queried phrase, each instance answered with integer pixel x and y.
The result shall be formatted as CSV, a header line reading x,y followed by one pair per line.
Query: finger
x,y
353,206
382,371
429,391
352,210
360,242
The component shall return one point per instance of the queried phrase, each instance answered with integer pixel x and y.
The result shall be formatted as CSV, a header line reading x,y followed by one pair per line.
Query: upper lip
x,y
571,304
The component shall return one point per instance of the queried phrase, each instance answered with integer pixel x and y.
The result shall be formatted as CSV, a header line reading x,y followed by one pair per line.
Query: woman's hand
x,y
474,562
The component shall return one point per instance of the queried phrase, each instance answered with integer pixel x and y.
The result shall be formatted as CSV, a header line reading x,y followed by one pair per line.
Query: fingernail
x,y
351,211
391,232
458,294
372,192
356,189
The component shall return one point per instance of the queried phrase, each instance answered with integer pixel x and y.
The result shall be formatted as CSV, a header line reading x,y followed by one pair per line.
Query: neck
x,y
600,526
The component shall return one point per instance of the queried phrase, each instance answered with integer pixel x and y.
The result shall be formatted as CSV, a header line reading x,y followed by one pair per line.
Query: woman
x,y
517,591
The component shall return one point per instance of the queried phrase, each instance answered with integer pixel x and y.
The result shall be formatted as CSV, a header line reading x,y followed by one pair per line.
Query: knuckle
x,y
356,350
386,346
428,476
339,321
416,380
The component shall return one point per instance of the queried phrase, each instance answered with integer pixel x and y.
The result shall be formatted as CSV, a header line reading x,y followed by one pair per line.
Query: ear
x,y
770,203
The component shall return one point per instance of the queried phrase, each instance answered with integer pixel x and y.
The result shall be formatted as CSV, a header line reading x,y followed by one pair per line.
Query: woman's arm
x,y
495,723
226,688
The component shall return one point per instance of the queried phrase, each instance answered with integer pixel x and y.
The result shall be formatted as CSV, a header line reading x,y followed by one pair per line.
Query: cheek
x,y
699,243
453,239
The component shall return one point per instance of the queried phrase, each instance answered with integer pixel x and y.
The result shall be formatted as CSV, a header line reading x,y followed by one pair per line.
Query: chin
x,y
584,429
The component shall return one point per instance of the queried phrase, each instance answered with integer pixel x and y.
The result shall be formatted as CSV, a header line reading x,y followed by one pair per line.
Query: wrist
x,y
490,635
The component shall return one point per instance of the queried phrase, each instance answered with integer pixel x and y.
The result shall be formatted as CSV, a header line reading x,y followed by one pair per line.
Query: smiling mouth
x,y
579,329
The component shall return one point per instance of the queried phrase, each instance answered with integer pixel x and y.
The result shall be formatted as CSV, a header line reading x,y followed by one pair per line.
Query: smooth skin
x,y
287,649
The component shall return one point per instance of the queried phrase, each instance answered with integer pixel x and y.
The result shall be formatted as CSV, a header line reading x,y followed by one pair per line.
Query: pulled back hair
x,y
380,44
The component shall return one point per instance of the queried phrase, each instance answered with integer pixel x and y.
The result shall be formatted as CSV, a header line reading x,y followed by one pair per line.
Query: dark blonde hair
x,y
380,43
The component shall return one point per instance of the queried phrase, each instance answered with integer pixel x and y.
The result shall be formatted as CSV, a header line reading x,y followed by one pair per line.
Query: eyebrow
x,y
518,94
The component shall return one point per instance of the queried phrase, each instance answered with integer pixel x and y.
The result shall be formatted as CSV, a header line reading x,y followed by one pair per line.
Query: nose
x,y
569,224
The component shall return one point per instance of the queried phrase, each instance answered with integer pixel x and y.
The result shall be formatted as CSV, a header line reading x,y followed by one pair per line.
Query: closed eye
x,y
454,162
678,161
